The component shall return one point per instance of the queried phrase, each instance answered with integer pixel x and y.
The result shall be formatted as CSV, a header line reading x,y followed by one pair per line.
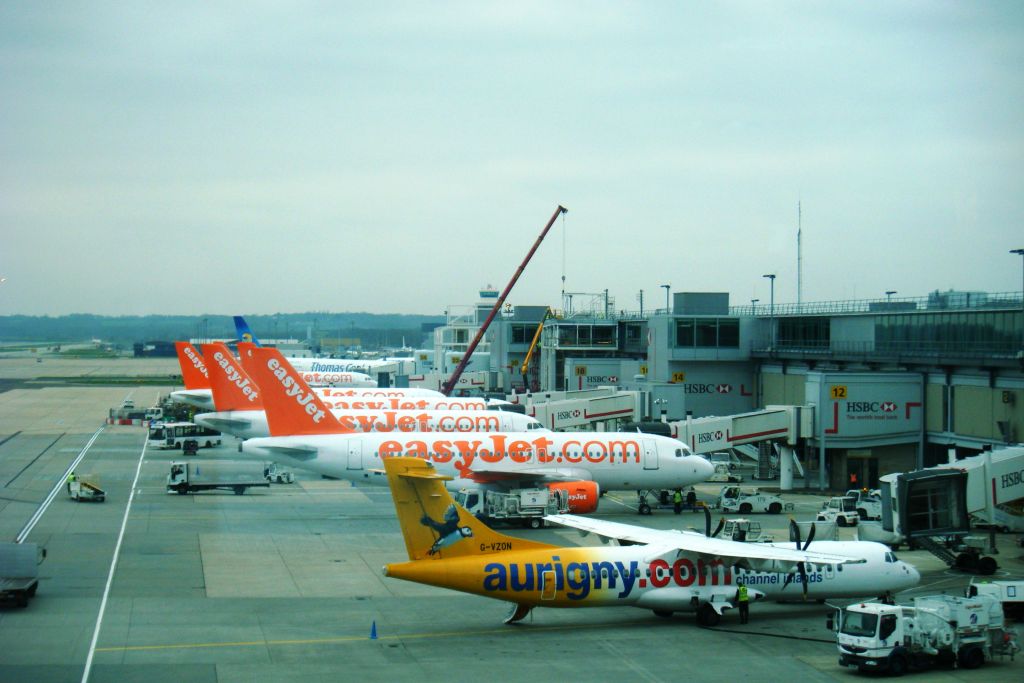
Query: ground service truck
x,y
518,506
231,475
934,630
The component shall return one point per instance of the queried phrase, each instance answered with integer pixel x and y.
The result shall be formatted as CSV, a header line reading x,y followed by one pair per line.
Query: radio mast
x,y
799,259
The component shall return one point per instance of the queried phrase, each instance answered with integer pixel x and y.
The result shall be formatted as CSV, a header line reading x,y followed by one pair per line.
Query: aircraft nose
x,y
704,467
913,574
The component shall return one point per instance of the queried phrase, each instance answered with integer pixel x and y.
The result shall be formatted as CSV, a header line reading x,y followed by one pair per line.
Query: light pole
x,y
753,306
888,295
771,309
1020,252
667,288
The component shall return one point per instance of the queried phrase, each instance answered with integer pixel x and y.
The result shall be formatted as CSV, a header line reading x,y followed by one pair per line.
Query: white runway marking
x,y
113,566
61,483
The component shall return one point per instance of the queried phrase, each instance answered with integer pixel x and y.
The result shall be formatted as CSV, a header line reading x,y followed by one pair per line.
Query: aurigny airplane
x,y
667,572
197,390
239,408
323,366
305,434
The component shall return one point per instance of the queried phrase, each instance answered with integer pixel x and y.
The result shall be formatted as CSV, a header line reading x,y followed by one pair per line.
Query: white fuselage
x,y
354,397
676,581
615,460
249,424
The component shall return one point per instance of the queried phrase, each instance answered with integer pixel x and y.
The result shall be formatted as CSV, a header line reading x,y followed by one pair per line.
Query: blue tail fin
x,y
243,332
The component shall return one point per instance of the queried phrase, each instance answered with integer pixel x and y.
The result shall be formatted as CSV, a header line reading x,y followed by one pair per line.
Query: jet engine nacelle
x,y
583,495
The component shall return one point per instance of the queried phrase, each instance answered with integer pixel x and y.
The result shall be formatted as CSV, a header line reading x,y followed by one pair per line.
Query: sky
x,y
394,157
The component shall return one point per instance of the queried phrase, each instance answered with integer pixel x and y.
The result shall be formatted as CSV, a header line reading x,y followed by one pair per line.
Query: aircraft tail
x,y
243,332
232,387
293,409
193,369
435,526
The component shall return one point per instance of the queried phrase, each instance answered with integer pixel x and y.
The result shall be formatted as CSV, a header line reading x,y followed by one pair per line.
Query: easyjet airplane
x,y
305,434
197,390
664,571
240,408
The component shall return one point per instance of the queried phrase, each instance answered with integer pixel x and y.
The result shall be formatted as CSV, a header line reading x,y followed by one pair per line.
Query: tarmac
x,y
285,583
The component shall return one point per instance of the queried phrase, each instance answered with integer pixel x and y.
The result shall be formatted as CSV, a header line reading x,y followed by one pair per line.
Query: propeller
x,y
794,535
707,524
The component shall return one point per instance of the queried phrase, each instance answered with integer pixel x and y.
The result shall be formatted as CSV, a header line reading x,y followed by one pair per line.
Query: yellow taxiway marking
x,y
353,639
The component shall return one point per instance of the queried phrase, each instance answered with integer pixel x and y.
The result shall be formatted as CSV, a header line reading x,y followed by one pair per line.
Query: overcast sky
x,y
262,157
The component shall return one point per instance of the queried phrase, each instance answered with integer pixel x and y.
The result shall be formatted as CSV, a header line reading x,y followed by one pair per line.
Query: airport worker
x,y
677,501
743,602
853,480
691,498
71,478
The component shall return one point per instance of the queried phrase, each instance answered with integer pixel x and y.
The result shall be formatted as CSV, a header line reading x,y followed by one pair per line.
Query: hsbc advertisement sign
x,y
714,389
869,406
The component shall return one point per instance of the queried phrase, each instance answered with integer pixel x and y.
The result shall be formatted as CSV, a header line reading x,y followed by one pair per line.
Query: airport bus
x,y
173,434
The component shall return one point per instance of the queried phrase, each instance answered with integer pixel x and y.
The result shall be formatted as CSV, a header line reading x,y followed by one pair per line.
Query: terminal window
x,y
707,333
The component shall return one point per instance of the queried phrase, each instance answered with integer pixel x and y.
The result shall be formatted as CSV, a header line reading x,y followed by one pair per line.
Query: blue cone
x,y
373,631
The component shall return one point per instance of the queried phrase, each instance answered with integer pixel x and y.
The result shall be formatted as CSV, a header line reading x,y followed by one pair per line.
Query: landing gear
x,y
518,612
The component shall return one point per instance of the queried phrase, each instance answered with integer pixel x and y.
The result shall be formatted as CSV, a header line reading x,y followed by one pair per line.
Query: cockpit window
x,y
679,452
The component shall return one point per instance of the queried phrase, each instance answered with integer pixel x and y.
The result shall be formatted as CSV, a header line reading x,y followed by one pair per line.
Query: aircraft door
x,y
355,454
650,454
548,585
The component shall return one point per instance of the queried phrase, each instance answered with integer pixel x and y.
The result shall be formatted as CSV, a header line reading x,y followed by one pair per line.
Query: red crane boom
x,y
454,379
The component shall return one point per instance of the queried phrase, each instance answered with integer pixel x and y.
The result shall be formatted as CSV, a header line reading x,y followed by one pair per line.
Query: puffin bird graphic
x,y
448,531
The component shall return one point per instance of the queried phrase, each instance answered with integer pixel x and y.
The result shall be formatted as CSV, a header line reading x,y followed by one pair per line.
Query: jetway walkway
x,y
576,409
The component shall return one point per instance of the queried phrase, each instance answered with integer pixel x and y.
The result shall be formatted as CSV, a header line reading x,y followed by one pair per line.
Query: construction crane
x,y
525,368
454,379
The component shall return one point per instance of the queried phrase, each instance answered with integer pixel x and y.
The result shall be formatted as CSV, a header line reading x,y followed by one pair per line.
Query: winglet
x,y
293,409
232,387
435,526
243,331
193,369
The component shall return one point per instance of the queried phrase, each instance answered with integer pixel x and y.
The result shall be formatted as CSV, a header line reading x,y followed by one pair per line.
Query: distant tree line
x,y
374,329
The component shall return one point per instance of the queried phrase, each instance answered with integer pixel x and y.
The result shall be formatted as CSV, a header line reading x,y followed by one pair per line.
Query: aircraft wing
x,y
294,451
753,556
496,473
226,424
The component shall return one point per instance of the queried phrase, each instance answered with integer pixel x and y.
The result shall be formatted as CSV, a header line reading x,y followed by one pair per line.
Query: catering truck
x,y
229,475
932,630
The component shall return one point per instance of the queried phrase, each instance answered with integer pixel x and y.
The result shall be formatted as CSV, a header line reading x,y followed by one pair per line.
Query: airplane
x,y
664,571
305,434
239,408
195,376
326,366
390,398
197,390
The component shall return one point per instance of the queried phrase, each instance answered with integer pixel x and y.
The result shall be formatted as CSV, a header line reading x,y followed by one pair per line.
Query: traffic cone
x,y
373,631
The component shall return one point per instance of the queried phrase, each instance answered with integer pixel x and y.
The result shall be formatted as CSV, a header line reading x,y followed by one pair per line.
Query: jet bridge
x,y
784,425
579,409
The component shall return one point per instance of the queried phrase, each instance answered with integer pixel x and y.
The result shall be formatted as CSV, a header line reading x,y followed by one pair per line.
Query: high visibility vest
x,y
71,477
742,591
677,497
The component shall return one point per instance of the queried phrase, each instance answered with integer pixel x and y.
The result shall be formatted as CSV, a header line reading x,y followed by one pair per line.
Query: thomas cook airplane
x,y
306,435
198,392
240,408
664,571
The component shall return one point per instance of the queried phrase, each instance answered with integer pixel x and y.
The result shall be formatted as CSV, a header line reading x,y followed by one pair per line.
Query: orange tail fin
x,y
193,369
232,387
292,407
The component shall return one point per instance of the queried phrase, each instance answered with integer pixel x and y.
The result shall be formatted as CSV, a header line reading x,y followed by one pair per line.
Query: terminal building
x,y
889,385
